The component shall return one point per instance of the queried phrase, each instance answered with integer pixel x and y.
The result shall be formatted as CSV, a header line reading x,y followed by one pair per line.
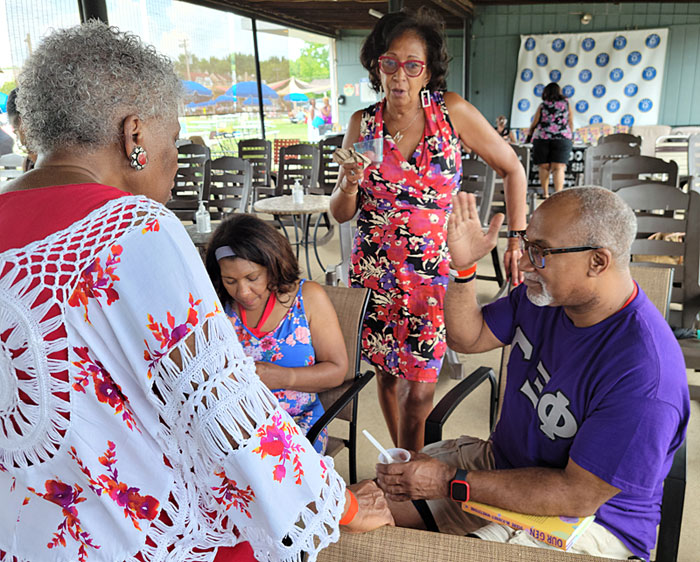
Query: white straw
x,y
378,445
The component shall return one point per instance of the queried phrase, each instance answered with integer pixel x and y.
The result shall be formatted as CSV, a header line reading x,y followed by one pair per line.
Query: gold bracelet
x,y
347,192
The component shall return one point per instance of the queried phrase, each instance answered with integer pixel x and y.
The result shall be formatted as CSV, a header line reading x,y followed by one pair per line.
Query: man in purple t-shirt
x,y
596,399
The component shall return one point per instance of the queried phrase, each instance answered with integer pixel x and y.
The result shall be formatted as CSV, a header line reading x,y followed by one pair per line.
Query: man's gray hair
x,y
81,82
604,220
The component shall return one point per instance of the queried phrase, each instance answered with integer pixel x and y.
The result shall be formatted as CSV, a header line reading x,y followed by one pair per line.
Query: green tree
x,y
7,87
312,63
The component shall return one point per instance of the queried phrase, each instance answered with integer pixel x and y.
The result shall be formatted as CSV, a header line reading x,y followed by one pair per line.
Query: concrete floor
x,y
472,416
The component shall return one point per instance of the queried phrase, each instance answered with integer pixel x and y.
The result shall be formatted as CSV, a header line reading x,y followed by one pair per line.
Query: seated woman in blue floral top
x,y
278,316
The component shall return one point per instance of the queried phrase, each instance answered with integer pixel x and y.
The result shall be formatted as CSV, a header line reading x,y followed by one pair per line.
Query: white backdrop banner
x,y
613,77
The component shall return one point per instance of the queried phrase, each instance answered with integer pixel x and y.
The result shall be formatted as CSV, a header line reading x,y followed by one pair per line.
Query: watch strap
x,y
515,233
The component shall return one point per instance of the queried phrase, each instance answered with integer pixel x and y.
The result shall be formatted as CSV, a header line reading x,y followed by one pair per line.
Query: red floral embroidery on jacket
x,y
96,282
135,505
106,390
230,495
276,441
67,497
151,226
169,335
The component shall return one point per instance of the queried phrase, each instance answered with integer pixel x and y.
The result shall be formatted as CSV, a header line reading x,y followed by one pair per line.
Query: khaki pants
x,y
471,453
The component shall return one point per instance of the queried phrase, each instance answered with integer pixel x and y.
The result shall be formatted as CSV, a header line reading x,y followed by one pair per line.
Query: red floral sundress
x,y
400,249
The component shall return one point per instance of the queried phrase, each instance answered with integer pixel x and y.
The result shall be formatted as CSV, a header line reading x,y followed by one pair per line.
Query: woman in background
x,y
503,129
286,324
551,133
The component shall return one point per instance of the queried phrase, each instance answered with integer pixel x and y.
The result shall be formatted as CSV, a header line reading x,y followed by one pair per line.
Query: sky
x,y
167,24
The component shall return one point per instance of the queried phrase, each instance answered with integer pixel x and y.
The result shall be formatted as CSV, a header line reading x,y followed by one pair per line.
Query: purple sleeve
x,y
622,441
500,315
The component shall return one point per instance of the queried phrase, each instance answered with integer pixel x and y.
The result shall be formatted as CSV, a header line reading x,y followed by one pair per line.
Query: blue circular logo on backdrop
x,y
627,119
538,90
585,75
634,58
571,60
542,59
529,44
649,73
558,44
602,59
595,119
588,44
653,41
620,42
631,90
523,105
613,106
598,91
526,75
568,91
645,105
616,74
582,106
555,75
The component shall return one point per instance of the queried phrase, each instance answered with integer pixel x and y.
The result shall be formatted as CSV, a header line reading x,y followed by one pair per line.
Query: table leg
x,y
306,221
318,259
297,240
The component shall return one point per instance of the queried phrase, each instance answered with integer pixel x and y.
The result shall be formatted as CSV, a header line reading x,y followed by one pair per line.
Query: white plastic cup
x,y
397,455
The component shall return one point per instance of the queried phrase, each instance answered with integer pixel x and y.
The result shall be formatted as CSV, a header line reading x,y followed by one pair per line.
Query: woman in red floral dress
x,y
399,249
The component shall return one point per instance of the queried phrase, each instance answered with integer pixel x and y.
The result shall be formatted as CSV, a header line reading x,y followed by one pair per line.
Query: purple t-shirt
x,y
613,397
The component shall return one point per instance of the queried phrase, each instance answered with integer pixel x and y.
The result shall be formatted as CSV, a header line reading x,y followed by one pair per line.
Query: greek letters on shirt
x,y
556,419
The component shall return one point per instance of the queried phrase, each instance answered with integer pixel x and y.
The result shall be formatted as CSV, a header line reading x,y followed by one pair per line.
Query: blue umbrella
x,y
193,89
254,101
296,96
207,103
250,88
225,98
3,102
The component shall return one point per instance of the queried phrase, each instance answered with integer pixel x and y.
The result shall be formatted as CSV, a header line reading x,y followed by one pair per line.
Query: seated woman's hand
x,y
373,509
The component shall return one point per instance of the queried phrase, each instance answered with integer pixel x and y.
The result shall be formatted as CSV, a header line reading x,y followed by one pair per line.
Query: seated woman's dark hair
x,y
252,239
12,111
426,25
552,92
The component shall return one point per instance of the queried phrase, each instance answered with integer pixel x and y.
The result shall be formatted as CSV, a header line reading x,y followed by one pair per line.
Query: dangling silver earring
x,y
425,97
138,158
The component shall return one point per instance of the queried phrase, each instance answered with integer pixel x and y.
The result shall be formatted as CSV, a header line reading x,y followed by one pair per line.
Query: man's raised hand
x,y
466,240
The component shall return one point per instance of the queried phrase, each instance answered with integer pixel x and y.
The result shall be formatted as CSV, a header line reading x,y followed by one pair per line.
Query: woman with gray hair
x,y
132,426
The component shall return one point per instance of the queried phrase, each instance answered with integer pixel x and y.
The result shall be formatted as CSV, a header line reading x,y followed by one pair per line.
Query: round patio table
x,y
301,215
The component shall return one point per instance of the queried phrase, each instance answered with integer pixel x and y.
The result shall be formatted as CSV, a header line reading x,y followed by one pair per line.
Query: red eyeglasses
x,y
412,68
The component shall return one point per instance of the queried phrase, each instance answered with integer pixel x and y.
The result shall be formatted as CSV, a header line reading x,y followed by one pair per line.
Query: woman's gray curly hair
x,y
604,220
81,82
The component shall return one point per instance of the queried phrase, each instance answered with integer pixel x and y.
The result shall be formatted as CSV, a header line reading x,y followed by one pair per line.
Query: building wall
x,y
496,34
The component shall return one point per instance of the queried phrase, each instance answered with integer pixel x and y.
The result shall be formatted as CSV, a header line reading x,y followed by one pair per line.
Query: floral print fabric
x,y
288,345
400,249
141,430
554,121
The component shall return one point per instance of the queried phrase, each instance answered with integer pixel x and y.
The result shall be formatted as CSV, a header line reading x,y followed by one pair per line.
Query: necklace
x,y
398,135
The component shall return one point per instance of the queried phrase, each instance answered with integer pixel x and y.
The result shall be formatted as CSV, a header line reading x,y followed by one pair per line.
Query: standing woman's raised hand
x,y
466,239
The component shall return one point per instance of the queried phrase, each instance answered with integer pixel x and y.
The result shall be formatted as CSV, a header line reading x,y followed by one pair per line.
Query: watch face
x,y
460,491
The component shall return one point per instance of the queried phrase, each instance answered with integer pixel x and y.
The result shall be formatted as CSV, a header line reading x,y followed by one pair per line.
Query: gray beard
x,y
541,298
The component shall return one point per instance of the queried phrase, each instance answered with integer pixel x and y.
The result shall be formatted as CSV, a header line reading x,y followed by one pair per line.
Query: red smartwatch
x,y
459,487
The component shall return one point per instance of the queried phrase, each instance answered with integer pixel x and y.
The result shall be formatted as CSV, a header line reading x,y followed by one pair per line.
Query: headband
x,y
224,252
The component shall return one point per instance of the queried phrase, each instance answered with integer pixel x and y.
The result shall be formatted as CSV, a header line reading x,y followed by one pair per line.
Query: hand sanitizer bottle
x,y
203,219
297,192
